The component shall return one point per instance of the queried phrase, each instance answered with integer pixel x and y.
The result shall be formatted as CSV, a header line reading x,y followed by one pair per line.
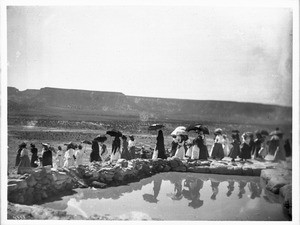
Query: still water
x,y
178,196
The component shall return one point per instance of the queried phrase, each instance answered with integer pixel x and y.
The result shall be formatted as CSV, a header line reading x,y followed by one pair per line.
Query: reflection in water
x,y
230,188
215,189
156,188
242,191
178,196
255,190
193,193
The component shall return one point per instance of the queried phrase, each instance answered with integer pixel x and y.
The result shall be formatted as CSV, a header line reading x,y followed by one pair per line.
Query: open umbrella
x,y
86,142
155,126
114,133
198,127
101,138
276,132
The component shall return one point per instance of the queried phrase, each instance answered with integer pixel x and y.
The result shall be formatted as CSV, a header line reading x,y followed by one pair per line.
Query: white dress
x,y
79,154
69,159
155,154
115,156
58,160
180,152
195,152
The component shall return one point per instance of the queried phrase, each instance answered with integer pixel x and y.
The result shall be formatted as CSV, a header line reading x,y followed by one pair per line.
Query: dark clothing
x,y
235,150
273,146
18,158
203,154
143,155
125,153
173,148
116,144
252,146
245,151
160,146
47,158
94,156
287,148
34,157
217,151
257,147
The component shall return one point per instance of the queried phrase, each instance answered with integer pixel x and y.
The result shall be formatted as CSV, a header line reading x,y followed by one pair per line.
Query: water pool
x,y
178,196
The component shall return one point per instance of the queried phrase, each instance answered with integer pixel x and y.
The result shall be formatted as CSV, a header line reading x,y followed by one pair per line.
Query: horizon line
x,y
212,100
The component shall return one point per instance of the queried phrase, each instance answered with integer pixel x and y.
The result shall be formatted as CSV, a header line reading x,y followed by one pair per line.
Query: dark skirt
x,y
245,151
24,163
273,146
125,154
47,158
34,158
18,159
132,152
203,154
94,156
217,151
235,150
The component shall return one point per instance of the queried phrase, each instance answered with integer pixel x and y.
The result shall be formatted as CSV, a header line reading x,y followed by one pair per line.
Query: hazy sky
x,y
236,54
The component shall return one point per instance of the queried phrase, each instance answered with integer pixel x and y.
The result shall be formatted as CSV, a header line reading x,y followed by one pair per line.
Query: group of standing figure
x,y
101,153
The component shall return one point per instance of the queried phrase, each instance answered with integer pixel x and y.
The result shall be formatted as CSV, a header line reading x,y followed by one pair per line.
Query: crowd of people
x,y
182,147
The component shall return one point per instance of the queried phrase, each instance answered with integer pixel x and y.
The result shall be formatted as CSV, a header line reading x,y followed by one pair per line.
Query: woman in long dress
x,y
160,145
280,151
69,156
104,154
79,155
217,148
180,152
18,157
116,149
59,158
131,146
46,155
125,153
24,160
200,141
34,156
174,145
235,150
245,148
95,155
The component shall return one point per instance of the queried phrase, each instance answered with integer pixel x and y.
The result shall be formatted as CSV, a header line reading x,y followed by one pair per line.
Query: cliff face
x,y
92,105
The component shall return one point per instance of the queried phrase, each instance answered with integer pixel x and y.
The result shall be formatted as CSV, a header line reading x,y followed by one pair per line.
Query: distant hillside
x,y
67,104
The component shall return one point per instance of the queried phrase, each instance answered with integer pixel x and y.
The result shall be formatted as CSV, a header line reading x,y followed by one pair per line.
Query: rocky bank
x,y
40,183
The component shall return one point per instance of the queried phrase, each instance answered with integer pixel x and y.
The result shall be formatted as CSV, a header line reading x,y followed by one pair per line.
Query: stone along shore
x,y
42,183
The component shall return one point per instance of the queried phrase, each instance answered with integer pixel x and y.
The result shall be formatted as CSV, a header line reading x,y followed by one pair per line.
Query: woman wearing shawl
x,y
94,156
131,146
217,148
24,160
125,153
116,152
18,157
245,148
160,145
174,145
46,155
34,156
235,150
200,141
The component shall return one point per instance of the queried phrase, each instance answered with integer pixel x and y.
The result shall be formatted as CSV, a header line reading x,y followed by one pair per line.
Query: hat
x,y
246,135
46,145
218,131
32,145
22,145
131,137
124,137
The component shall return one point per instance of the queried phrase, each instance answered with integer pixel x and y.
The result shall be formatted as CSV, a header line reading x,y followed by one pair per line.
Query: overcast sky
x,y
191,52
